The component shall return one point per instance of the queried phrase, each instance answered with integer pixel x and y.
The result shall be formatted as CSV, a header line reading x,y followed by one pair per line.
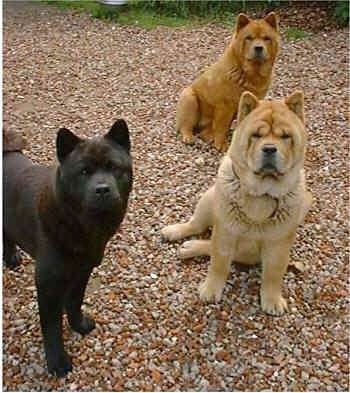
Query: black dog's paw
x,y
84,326
59,365
13,261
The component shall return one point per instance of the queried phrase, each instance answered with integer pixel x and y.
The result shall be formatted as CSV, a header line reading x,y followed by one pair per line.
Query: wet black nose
x,y
258,50
269,149
102,189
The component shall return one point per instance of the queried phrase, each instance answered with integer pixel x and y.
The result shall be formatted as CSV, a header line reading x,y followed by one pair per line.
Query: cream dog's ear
x,y
295,103
247,103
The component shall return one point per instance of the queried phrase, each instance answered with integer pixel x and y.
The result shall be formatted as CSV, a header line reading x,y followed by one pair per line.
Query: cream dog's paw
x,y
211,289
171,232
273,304
186,250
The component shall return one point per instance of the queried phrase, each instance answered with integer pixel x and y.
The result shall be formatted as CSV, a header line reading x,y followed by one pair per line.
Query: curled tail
x,y
13,141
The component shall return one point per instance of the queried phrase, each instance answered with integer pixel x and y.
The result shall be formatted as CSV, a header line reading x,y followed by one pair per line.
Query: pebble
x,y
38,369
155,314
199,161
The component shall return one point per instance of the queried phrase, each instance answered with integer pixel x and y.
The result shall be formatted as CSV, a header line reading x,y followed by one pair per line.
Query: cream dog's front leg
x,y
275,259
220,263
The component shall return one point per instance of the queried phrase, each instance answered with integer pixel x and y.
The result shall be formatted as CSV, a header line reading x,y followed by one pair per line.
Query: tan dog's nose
x,y
258,50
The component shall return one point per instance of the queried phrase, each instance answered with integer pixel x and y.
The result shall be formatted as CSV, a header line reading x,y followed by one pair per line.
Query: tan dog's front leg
x,y
275,259
220,262
207,134
221,123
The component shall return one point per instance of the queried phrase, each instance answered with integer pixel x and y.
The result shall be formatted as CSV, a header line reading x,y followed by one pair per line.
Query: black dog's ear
x,y
66,142
119,133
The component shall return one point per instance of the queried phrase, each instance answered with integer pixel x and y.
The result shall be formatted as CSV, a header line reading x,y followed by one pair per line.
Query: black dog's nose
x,y
269,149
258,50
102,189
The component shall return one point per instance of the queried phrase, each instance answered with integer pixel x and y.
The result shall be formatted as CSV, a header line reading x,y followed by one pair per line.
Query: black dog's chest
x,y
84,257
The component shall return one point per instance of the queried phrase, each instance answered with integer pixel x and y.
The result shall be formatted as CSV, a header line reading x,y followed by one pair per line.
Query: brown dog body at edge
x,y
257,202
210,104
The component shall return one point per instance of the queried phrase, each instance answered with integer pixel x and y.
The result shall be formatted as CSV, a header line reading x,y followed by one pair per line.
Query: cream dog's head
x,y
268,146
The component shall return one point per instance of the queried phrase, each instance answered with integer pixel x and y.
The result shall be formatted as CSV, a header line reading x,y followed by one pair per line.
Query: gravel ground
x,y
153,333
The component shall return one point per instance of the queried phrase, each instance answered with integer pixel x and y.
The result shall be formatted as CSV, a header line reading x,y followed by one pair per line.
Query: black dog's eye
x,y
85,171
249,38
111,166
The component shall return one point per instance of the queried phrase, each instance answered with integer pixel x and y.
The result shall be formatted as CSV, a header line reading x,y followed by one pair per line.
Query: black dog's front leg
x,y
11,255
51,286
74,298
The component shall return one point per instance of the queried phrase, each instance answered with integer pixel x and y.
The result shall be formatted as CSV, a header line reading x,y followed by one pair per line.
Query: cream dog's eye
x,y
285,136
256,135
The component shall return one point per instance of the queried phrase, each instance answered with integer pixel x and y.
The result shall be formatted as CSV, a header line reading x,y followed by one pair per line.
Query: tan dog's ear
x,y
295,103
272,20
242,20
247,103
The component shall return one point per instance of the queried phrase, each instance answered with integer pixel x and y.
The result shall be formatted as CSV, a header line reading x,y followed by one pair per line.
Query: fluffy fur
x,y
257,202
210,104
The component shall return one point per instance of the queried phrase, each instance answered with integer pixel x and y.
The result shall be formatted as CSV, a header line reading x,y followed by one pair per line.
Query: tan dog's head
x,y
268,146
257,41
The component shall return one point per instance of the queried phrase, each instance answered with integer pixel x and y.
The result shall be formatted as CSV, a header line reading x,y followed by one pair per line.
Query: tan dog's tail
x,y
13,141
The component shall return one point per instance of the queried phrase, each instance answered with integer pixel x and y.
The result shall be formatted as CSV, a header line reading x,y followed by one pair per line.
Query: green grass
x,y
150,20
77,4
125,14
293,33
151,13
341,12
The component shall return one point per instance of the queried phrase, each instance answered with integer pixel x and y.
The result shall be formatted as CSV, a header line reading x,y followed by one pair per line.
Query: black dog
x,y
63,217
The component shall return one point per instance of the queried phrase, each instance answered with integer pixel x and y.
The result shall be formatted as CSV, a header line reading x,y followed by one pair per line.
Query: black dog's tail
x,y
13,141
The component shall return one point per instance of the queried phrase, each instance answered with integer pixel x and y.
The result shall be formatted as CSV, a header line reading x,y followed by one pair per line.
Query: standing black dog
x,y
63,217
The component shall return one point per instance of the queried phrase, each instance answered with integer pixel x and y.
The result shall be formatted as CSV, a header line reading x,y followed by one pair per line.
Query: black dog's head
x,y
95,175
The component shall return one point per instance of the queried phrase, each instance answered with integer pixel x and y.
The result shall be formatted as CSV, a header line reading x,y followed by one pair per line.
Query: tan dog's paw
x,y
273,305
211,289
207,136
221,146
188,139
171,232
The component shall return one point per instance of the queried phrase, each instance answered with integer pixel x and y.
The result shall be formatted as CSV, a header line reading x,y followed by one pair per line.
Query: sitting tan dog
x,y
210,104
257,202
